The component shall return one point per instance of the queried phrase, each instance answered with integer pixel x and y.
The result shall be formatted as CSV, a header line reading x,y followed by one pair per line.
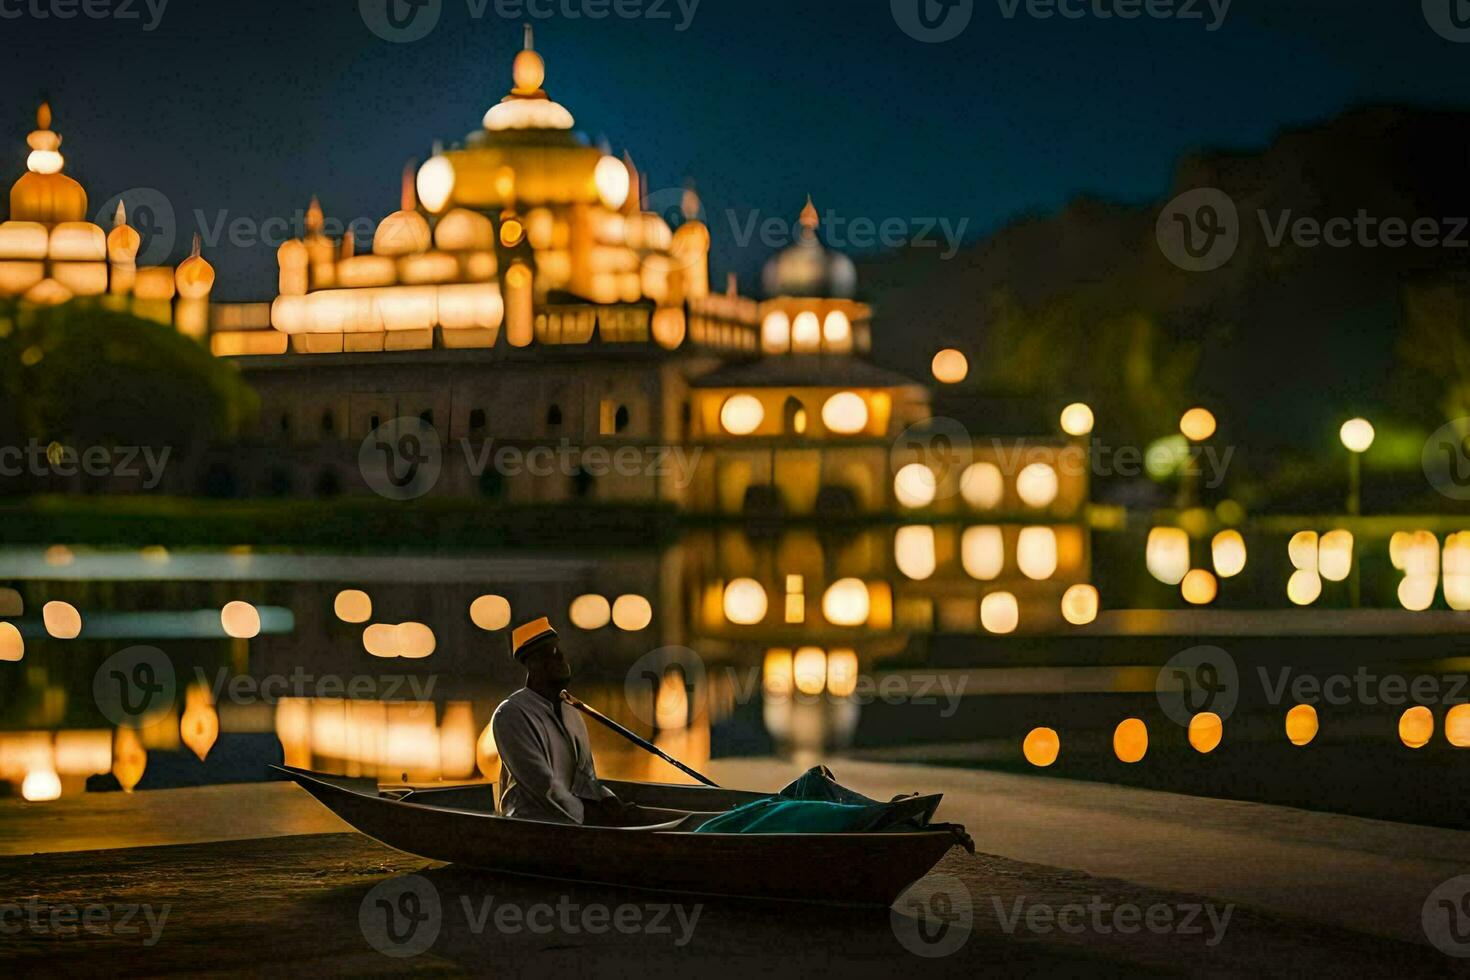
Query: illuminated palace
x,y
523,297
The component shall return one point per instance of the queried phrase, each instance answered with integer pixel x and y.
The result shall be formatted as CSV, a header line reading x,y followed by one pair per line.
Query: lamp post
x,y
1357,436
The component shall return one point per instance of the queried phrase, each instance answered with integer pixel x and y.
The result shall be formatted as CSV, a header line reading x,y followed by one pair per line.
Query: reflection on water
x,y
390,666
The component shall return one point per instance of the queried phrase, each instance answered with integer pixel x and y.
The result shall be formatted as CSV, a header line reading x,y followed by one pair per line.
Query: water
x,y
802,643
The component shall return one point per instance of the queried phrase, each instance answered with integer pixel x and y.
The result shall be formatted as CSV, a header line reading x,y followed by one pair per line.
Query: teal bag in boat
x,y
817,804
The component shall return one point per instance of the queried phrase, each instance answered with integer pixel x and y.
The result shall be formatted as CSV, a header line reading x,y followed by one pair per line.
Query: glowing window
x,y
632,613
1037,485
1079,604
776,333
240,620
353,606
1000,613
62,620
741,414
845,413
915,485
745,602
982,486
846,602
590,612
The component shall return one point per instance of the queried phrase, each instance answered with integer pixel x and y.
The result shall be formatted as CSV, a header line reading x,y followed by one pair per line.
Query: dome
x,y
44,193
808,268
405,231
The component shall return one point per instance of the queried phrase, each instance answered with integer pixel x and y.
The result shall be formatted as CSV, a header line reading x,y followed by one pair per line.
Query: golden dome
x,y
195,276
44,193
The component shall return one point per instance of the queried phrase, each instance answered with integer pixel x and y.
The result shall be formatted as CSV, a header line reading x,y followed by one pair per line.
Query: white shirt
x,y
546,765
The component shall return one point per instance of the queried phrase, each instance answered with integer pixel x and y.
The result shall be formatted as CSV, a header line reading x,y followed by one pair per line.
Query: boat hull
x,y
848,869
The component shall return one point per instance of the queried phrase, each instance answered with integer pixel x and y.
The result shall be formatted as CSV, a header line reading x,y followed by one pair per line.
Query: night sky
x,y
247,108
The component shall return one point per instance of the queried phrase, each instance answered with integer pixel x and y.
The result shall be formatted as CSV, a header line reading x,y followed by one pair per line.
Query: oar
x,y
640,742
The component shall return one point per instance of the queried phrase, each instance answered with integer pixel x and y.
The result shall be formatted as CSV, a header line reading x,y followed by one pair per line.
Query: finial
x,y
732,285
690,203
437,148
314,217
530,38
528,71
809,217
43,116
408,198
194,253
120,216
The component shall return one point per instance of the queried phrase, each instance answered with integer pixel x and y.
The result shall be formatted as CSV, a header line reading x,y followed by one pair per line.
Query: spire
x,y
690,204
809,219
408,197
528,71
194,252
45,145
120,216
529,38
314,218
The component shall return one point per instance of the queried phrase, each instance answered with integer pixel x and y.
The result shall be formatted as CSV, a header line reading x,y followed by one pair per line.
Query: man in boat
x,y
546,768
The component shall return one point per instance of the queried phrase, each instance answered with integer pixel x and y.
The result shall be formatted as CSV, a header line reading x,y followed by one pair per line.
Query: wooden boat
x,y
458,825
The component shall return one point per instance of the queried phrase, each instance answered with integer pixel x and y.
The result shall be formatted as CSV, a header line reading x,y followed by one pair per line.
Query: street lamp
x,y
1196,425
1356,436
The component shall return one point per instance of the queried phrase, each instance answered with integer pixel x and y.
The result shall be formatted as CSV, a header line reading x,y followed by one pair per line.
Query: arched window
x,y
329,423
553,415
620,418
795,416
427,416
477,420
